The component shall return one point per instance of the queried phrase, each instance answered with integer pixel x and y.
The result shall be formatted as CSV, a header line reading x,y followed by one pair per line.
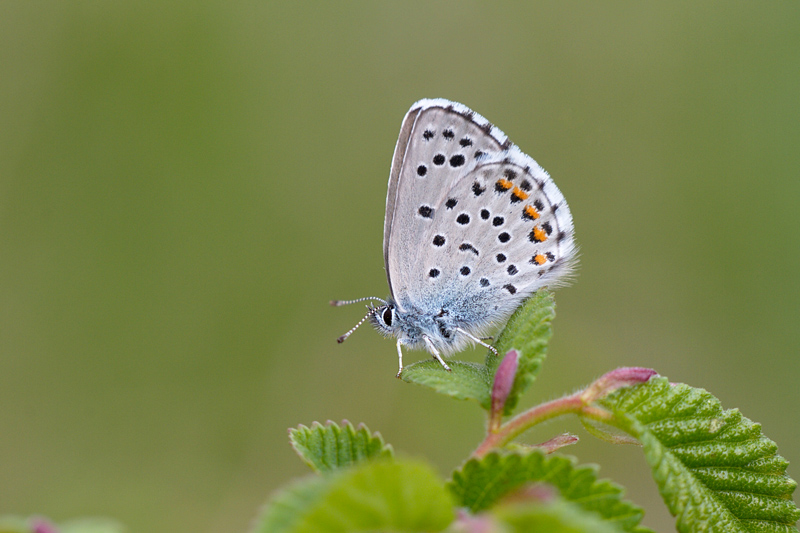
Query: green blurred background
x,y
184,186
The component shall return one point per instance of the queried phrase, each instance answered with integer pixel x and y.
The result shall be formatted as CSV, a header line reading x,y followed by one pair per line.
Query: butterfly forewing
x,y
440,143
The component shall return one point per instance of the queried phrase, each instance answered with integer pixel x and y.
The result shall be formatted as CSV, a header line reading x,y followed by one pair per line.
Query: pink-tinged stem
x,y
581,402
524,421
616,379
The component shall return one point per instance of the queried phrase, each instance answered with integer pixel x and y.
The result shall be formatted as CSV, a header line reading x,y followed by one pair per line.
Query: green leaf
x,y
715,469
328,447
481,483
535,508
287,509
465,381
373,496
528,331
556,517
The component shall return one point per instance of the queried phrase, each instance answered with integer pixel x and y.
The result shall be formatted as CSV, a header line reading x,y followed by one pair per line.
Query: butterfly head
x,y
384,318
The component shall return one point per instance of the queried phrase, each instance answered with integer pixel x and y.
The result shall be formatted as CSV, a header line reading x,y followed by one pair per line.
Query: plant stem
x,y
581,403
502,435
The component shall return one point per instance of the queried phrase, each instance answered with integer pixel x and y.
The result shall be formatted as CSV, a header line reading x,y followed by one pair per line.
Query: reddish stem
x,y
582,402
517,425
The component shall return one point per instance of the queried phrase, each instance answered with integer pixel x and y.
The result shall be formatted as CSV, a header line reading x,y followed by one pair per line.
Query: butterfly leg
x,y
476,339
400,359
435,352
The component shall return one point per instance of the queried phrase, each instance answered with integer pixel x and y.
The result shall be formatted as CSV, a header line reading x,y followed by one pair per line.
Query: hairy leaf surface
x,y
481,483
715,469
328,447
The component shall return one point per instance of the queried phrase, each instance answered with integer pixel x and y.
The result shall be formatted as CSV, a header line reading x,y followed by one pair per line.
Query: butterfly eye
x,y
387,316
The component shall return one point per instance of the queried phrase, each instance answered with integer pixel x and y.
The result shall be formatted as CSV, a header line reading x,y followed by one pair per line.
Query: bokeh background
x,y
184,186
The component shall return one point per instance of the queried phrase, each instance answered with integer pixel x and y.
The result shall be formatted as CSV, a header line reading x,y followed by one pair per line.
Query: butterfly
x,y
473,228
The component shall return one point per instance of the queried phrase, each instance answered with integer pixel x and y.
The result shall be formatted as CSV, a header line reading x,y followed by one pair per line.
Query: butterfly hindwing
x,y
506,232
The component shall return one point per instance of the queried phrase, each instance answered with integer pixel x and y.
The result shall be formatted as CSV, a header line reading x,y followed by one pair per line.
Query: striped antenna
x,y
339,303
343,338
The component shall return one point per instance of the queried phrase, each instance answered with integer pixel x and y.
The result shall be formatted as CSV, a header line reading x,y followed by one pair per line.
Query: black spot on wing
x,y
457,160
467,247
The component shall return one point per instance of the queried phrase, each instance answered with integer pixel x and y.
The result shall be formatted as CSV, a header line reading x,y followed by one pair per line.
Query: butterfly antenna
x,y
339,303
343,338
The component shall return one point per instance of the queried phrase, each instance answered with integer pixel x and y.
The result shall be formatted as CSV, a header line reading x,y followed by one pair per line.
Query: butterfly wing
x,y
472,223
429,159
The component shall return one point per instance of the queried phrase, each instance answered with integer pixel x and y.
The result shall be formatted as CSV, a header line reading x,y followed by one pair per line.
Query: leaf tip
x,y
559,441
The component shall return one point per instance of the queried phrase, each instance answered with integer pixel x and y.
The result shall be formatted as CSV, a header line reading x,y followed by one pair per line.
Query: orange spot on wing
x,y
531,212
539,234
519,193
504,183
540,259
